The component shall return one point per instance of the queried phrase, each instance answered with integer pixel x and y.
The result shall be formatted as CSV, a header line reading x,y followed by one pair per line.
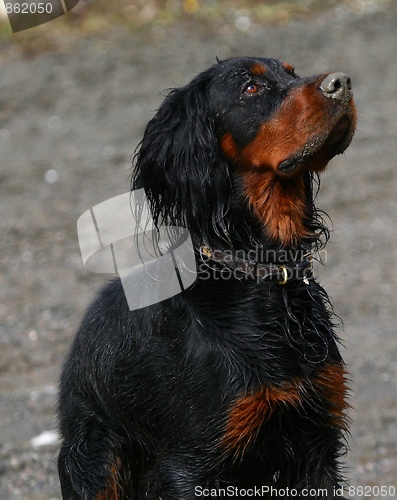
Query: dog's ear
x,y
180,166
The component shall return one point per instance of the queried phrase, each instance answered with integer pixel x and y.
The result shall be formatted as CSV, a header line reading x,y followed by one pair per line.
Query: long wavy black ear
x,y
180,166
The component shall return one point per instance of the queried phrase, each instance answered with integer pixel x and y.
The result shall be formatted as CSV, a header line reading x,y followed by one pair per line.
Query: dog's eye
x,y
251,88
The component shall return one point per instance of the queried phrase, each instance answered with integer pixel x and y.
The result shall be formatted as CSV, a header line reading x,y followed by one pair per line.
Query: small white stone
x,y
45,439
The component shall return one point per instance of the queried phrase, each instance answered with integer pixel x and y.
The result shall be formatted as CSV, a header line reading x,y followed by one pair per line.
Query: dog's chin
x,y
319,150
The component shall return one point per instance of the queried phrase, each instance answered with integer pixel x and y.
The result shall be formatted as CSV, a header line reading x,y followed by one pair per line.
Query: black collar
x,y
281,273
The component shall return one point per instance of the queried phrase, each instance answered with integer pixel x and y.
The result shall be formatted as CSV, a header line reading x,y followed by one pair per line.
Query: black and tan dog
x,y
237,383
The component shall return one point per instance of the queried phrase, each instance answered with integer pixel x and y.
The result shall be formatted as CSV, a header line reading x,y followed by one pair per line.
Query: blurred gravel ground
x,y
69,122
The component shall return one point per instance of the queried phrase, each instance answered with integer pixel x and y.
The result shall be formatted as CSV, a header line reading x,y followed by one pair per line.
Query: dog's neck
x,y
280,205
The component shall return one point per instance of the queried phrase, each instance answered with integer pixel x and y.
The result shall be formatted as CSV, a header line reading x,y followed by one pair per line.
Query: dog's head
x,y
237,147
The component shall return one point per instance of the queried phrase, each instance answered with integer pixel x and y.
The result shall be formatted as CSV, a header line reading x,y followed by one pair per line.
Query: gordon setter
x,y
236,386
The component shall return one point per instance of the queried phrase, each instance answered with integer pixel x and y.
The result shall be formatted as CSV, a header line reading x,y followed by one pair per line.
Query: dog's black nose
x,y
337,86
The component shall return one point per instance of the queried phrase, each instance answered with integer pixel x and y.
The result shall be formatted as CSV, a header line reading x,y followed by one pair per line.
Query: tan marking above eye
x,y
258,69
288,67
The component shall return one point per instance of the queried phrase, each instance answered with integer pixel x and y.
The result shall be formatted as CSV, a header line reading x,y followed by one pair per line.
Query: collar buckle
x,y
284,272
